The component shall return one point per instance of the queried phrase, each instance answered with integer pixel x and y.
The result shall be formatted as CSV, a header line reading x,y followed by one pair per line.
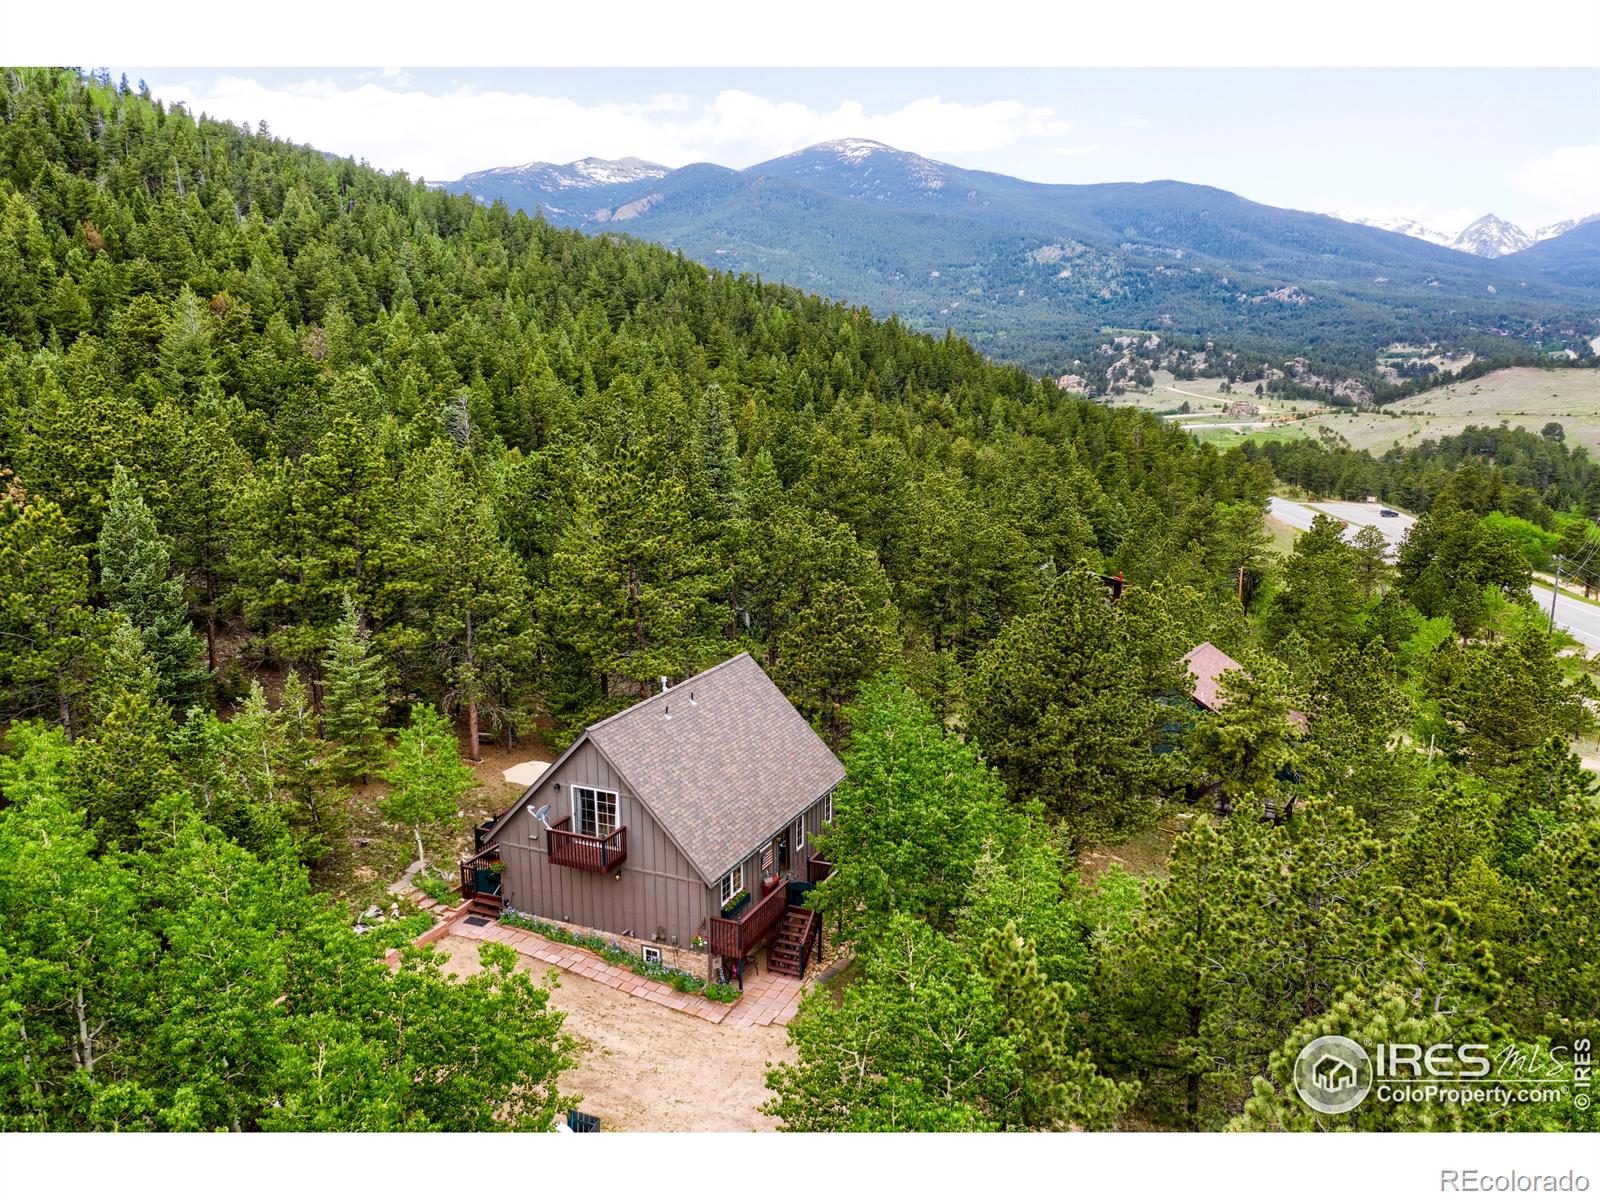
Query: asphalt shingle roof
x,y
722,760
1206,663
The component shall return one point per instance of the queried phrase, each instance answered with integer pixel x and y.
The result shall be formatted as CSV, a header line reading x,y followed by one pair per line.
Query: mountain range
x,y
1488,236
1035,272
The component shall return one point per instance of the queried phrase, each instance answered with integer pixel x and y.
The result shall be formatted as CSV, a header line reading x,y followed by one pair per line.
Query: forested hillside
x,y
1039,274
305,466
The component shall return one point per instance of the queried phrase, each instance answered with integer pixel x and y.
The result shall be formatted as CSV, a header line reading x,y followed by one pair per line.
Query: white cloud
x,y
445,135
1073,151
1138,123
1563,183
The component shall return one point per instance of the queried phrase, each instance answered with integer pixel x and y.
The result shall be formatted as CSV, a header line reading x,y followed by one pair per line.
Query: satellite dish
x,y
540,813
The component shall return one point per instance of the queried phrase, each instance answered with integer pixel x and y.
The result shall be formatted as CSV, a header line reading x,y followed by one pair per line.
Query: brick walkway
x,y
769,1000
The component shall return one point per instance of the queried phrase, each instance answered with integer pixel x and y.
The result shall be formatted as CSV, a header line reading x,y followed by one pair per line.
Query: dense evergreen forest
x,y
424,465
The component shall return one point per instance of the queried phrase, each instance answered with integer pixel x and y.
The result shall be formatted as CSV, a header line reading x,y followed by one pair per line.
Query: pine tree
x,y
305,768
355,697
134,574
1066,711
628,591
1249,744
475,623
49,632
428,779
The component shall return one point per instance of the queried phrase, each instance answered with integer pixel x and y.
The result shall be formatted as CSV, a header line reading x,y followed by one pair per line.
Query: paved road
x,y
1579,619
1394,529
1300,515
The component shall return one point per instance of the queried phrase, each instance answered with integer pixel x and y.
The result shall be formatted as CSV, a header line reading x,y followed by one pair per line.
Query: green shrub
x,y
435,889
402,931
722,993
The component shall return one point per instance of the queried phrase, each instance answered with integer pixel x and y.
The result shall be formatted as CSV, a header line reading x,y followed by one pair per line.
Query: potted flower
x,y
697,942
735,903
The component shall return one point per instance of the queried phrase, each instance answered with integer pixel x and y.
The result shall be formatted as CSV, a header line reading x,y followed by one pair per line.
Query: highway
x,y
1578,618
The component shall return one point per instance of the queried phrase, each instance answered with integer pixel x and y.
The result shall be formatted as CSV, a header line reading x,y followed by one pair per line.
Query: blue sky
x,y
1439,145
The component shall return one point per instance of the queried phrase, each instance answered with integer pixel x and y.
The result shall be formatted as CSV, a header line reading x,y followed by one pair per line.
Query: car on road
x,y
1387,512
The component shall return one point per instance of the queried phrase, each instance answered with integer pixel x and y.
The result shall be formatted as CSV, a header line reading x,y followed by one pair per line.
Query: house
x,y
677,825
1206,666
1243,408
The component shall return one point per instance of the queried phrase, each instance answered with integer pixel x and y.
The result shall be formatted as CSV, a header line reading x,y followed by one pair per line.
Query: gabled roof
x,y
722,761
1206,663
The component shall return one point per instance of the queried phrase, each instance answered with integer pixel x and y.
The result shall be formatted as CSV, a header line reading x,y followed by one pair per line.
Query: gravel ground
x,y
644,1067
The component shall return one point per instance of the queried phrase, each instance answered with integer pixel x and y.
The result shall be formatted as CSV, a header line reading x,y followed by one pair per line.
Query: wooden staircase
x,y
789,949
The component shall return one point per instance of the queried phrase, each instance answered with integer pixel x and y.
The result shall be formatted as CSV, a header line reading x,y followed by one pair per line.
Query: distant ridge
x,y
1037,273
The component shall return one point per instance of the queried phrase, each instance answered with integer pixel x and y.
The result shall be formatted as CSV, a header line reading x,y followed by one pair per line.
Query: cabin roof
x,y
722,760
1207,665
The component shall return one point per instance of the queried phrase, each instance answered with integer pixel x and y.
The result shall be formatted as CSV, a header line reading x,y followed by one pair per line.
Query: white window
x,y
594,813
827,810
799,836
733,883
652,954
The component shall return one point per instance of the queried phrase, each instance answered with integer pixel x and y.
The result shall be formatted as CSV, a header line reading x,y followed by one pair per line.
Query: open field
x,y
1526,396
1208,402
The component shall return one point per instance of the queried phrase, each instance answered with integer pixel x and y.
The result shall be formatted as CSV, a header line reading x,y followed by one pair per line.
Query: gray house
x,y
676,824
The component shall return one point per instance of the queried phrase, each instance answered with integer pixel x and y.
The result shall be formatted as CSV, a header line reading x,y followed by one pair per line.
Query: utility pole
x,y
1554,592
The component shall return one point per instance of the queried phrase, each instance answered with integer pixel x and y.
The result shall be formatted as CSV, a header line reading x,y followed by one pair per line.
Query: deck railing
x,y
811,940
734,937
585,852
477,878
817,869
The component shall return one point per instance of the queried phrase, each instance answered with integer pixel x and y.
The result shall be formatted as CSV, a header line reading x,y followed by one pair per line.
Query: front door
x,y
780,851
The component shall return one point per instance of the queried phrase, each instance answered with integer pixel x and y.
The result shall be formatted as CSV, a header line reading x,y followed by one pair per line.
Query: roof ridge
x,y
632,708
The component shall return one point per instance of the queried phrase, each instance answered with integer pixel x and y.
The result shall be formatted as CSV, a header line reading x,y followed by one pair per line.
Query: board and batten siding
x,y
658,894
812,820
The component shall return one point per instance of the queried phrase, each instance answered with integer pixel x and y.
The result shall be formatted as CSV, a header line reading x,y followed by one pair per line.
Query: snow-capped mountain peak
x,y
1560,227
1491,237
583,173
864,168
855,149
603,172
1487,237
1403,225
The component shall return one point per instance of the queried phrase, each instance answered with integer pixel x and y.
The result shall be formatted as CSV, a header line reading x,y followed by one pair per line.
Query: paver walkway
x,y
768,1000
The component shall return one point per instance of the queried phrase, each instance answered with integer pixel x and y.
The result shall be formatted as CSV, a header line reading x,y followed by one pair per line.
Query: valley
x,y
1530,397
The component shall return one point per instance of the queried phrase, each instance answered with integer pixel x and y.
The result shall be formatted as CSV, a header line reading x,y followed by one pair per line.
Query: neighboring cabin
x,y
1206,666
678,823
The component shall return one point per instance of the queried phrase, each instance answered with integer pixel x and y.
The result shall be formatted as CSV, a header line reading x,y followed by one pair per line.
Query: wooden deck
x,y
584,852
734,937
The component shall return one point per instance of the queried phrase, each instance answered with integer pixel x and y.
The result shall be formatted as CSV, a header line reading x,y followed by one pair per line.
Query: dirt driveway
x,y
644,1067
